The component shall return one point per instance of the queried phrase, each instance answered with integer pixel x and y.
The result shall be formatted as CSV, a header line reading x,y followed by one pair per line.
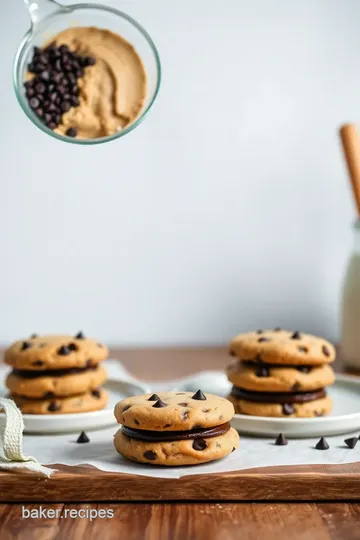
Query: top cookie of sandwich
x,y
173,411
282,347
55,352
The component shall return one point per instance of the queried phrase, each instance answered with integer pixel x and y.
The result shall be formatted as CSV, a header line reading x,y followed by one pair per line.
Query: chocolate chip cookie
x,y
55,352
175,428
91,401
60,383
282,347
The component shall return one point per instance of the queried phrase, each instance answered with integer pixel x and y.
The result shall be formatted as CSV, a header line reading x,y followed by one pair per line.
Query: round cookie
x,y
172,453
264,378
91,401
282,347
55,352
49,384
173,411
318,407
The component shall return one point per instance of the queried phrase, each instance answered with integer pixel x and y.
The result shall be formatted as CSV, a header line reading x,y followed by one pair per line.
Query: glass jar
x,y
350,334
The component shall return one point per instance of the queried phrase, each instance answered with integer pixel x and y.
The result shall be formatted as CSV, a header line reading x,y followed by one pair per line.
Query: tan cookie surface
x,y
176,452
91,401
64,385
279,379
55,352
181,411
282,347
318,407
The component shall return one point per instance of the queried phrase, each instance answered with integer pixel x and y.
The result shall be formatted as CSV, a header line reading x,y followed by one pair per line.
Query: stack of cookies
x,y
57,374
175,428
281,373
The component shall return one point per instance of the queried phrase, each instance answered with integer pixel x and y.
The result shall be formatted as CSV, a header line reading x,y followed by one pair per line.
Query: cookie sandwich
x,y
281,373
175,428
57,374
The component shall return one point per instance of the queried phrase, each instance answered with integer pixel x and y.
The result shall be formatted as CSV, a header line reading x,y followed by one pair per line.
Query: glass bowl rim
x,y
25,107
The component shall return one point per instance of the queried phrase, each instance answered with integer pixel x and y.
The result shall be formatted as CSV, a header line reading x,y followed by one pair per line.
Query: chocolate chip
x,y
34,102
83,438
287,409
277,329
54,406
325,350
40,88
65,106
197,426
303,349
295,387
96,393
48,395
37,363
136,422
52,125
199,444
25,345
72,347
199,396
40,112
71,132
304,369
183,404
281,440
233,449
150,455
263,371
63,350
322,444
232,353
167,425
89,363
79,335
126,408
33,336
351,443
263,339
154,397
159,404
296,335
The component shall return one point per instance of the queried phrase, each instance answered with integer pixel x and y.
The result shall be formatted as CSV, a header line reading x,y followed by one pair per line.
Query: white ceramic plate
x,y
68,423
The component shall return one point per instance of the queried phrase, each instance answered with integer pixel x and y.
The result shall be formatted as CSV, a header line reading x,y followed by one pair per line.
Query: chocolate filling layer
x,y
34,374
158,436
257,363
277,397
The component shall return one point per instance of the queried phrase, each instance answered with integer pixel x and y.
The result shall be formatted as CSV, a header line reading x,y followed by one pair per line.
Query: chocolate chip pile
x,y
53,90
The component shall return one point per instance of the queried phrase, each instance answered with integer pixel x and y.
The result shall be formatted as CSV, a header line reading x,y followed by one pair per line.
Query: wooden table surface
x,y
198,521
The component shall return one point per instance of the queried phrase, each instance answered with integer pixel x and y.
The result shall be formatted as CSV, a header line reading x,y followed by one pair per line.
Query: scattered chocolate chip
x,y
126,408
303,349
296,335
199,444
304,369
295,387
71,132
150,455
33,336
351,443
287,409
281,440
25,345
263,339
96,393
136,422
63,350
54,406
159,404
325,350
233,449
80,335
322,444
199,396
263,371
154,397
37,363
48,395
183,404
83,438
72,347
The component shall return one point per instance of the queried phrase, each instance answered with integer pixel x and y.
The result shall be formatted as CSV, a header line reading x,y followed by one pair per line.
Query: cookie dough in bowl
x,y
86,83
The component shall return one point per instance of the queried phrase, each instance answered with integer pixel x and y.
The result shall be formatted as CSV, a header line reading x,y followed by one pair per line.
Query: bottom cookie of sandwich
x,y
189,451
316,407
90,401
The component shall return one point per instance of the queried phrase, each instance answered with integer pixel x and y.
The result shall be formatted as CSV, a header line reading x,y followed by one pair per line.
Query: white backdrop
x,y
227,209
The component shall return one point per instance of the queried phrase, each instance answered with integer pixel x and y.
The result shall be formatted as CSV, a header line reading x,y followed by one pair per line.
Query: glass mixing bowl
x,y
48,18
